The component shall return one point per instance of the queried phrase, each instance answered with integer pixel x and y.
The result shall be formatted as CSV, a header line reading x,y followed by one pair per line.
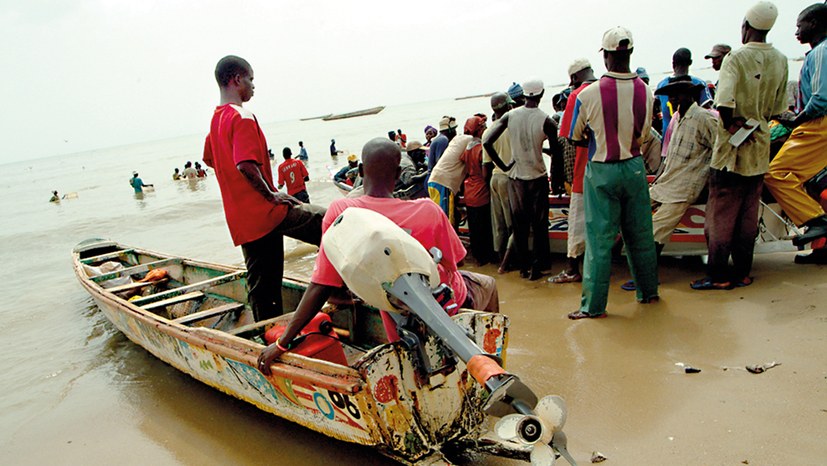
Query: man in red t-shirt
x,y
422,218
581,75
257,214
293,173
477,194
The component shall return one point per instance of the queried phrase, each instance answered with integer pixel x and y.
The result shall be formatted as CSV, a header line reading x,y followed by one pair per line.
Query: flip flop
x,y
746,281
565,277
629,286
706,283
577,315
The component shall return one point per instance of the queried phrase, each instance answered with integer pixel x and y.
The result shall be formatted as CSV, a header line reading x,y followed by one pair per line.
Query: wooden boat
x,y
410,406
688,239
358,113
320,117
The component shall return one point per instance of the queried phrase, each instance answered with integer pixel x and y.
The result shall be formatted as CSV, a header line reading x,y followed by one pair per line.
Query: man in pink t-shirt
x,y
293,173
258,216
422,218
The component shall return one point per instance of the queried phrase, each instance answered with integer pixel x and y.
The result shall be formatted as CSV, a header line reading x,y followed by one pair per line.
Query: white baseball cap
x,y
579,65
533,87
613,37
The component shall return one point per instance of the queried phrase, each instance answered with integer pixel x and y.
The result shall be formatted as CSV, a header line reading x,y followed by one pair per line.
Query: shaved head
x,y
380,166
230,66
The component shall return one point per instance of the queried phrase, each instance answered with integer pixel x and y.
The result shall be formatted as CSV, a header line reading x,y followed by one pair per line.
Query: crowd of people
x,y
190,172
701,142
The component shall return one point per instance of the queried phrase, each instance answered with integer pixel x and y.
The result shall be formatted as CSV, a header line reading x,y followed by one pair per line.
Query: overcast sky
x,y
85,74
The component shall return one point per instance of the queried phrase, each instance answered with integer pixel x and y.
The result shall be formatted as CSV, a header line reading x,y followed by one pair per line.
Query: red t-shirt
x,y
581,154
477,193
422,218
292,173
235,137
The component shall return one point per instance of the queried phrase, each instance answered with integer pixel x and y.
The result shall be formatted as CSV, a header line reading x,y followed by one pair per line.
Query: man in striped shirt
x,y
615,114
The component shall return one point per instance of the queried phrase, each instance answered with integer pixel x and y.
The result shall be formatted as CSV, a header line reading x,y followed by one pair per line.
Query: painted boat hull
x,y
688,237
381,400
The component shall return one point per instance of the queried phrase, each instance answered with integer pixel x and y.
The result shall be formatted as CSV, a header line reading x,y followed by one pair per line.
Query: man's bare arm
x,y
252,173
312,300
488,143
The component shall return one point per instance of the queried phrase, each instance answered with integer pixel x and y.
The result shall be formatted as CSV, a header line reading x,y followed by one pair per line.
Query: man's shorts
x,y
443,197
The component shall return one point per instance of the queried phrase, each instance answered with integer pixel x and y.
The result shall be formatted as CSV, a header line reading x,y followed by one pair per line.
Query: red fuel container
x,y
325,347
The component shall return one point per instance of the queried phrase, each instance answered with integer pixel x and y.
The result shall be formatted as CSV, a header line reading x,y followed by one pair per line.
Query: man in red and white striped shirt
x,y
615,114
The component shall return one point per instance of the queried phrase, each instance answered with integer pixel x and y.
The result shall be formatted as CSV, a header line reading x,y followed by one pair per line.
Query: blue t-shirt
x,y
438,146
664,100
137,184
813,83
302,154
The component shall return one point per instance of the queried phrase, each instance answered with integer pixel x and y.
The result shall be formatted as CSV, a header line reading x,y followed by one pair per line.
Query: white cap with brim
x,y
579,65
613,38
533,87
762,16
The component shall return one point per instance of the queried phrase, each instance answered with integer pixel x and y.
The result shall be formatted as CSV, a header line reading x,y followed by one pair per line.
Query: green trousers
x,y
616,198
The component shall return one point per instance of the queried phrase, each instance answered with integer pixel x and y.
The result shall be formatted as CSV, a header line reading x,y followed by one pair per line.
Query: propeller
x,y
540,427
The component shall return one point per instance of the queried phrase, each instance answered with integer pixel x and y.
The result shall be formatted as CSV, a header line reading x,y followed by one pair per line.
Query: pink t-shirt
x,y
422,218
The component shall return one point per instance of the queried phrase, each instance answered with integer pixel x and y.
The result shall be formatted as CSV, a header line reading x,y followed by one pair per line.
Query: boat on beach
x,y
358,113
411,402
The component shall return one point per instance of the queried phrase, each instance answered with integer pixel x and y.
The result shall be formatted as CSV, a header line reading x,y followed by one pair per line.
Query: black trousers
x,y
479,230
264,258
529,216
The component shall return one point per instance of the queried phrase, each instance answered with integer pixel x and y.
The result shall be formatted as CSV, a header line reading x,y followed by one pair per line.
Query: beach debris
x,y
761,368
598,457
688,369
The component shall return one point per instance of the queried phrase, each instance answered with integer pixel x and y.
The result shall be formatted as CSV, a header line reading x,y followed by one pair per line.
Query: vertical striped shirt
x,y
616,112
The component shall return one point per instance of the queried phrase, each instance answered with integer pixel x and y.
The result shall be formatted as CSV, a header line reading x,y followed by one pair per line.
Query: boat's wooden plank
x,y
136,269
198,286
132,286
255,325
174,300
208,313
107,256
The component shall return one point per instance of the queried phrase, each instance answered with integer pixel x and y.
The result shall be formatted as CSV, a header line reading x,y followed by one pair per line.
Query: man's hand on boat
x,y
266,358
313,299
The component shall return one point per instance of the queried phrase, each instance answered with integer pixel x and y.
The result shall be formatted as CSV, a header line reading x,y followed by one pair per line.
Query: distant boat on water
x,y
358,113
320,117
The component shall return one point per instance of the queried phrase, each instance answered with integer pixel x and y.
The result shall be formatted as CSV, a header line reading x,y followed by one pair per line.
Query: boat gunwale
x,y
327,375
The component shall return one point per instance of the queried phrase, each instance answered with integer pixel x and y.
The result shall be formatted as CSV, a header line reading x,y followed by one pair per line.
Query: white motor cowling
x,y
370,251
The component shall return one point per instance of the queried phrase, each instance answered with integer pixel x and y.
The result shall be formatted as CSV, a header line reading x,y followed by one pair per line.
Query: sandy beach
x,y
629,398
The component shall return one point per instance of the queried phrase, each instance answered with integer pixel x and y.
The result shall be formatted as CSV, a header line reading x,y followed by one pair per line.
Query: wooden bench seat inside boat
x,y
136,269
133,286
170,301
107,256
210,313
197,286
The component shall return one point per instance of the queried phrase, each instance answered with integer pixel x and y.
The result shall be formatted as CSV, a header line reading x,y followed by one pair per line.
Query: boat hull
x,y
383,399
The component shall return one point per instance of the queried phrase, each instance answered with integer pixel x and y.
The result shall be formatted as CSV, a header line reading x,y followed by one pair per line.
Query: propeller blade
x,y
506,427
542,455
560,443
553,411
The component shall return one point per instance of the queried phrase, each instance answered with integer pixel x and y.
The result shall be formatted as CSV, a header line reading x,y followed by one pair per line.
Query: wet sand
x,y
629,400
626,396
